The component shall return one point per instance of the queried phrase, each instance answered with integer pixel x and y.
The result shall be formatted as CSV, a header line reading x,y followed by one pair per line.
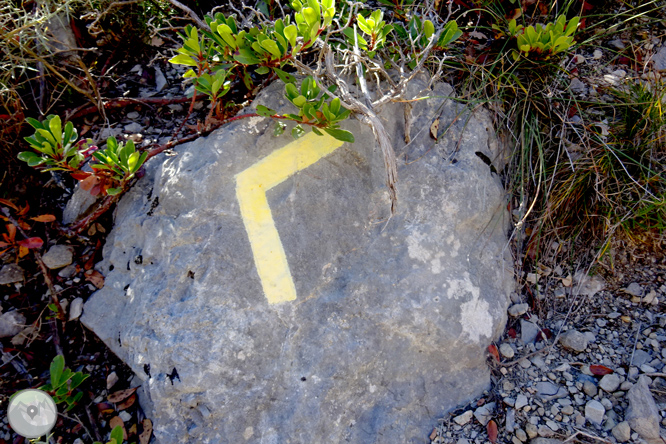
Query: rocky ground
x,y
582,359
585,363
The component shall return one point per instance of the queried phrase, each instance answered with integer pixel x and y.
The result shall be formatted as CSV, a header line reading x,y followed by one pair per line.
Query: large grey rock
x,y
642,413
391,319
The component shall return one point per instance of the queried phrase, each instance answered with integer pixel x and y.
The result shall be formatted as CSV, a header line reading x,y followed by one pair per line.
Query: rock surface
x,y
183,303
642,414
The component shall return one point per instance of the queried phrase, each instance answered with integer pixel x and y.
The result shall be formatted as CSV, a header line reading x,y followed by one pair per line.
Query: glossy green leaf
x,y
264,111
279,128
262,70
299,101
290,32
56,369
428,29
340,134
285,76
182,59
246,58
297,132
272,47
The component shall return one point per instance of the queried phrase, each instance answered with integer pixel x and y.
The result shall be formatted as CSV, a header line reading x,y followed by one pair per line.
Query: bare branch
x,y
191,13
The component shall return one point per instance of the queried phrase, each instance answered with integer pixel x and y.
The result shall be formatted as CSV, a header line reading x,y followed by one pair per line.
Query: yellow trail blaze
x,y
251,188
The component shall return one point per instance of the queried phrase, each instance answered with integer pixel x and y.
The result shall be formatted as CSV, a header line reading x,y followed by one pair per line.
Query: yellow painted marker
x,y
251,187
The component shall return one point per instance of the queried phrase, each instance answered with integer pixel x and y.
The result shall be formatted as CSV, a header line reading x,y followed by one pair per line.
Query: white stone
x,y
595,412
464,418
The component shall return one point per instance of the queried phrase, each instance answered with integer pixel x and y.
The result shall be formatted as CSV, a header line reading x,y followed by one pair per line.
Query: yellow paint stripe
x,y
251,187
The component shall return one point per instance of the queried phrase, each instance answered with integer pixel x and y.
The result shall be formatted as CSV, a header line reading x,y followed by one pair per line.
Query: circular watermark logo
x,y
32,413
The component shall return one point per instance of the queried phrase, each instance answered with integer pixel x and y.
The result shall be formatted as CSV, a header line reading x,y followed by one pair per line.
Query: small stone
x,y
634,289
633,373
133,115
649,298
510,420
659,59
589,388
11,323
552,425
58,256
132,128
531,430
608,405
464,418
521,401
484,413
617,44
542,440
518,309
577,86
528,331
642,413
111,380
645,368
622,432
595,412
610,383
125,416
568,410
509,401
521,435
507,351
68,271
525,363
626,385
508,385
10,274
597,54
545,388
75,309
545,431
160,80
578,59
641,357
574,340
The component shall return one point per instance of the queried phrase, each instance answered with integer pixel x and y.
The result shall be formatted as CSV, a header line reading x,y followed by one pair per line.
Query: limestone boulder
x,y
259,288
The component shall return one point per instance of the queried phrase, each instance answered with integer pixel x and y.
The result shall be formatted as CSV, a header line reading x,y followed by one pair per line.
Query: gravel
x,y
587,381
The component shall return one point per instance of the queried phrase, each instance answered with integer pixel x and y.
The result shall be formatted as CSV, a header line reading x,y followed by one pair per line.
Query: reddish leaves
x,y
144,437
492,349
600,370
31,242
44,218
121,395
492,431
95,277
